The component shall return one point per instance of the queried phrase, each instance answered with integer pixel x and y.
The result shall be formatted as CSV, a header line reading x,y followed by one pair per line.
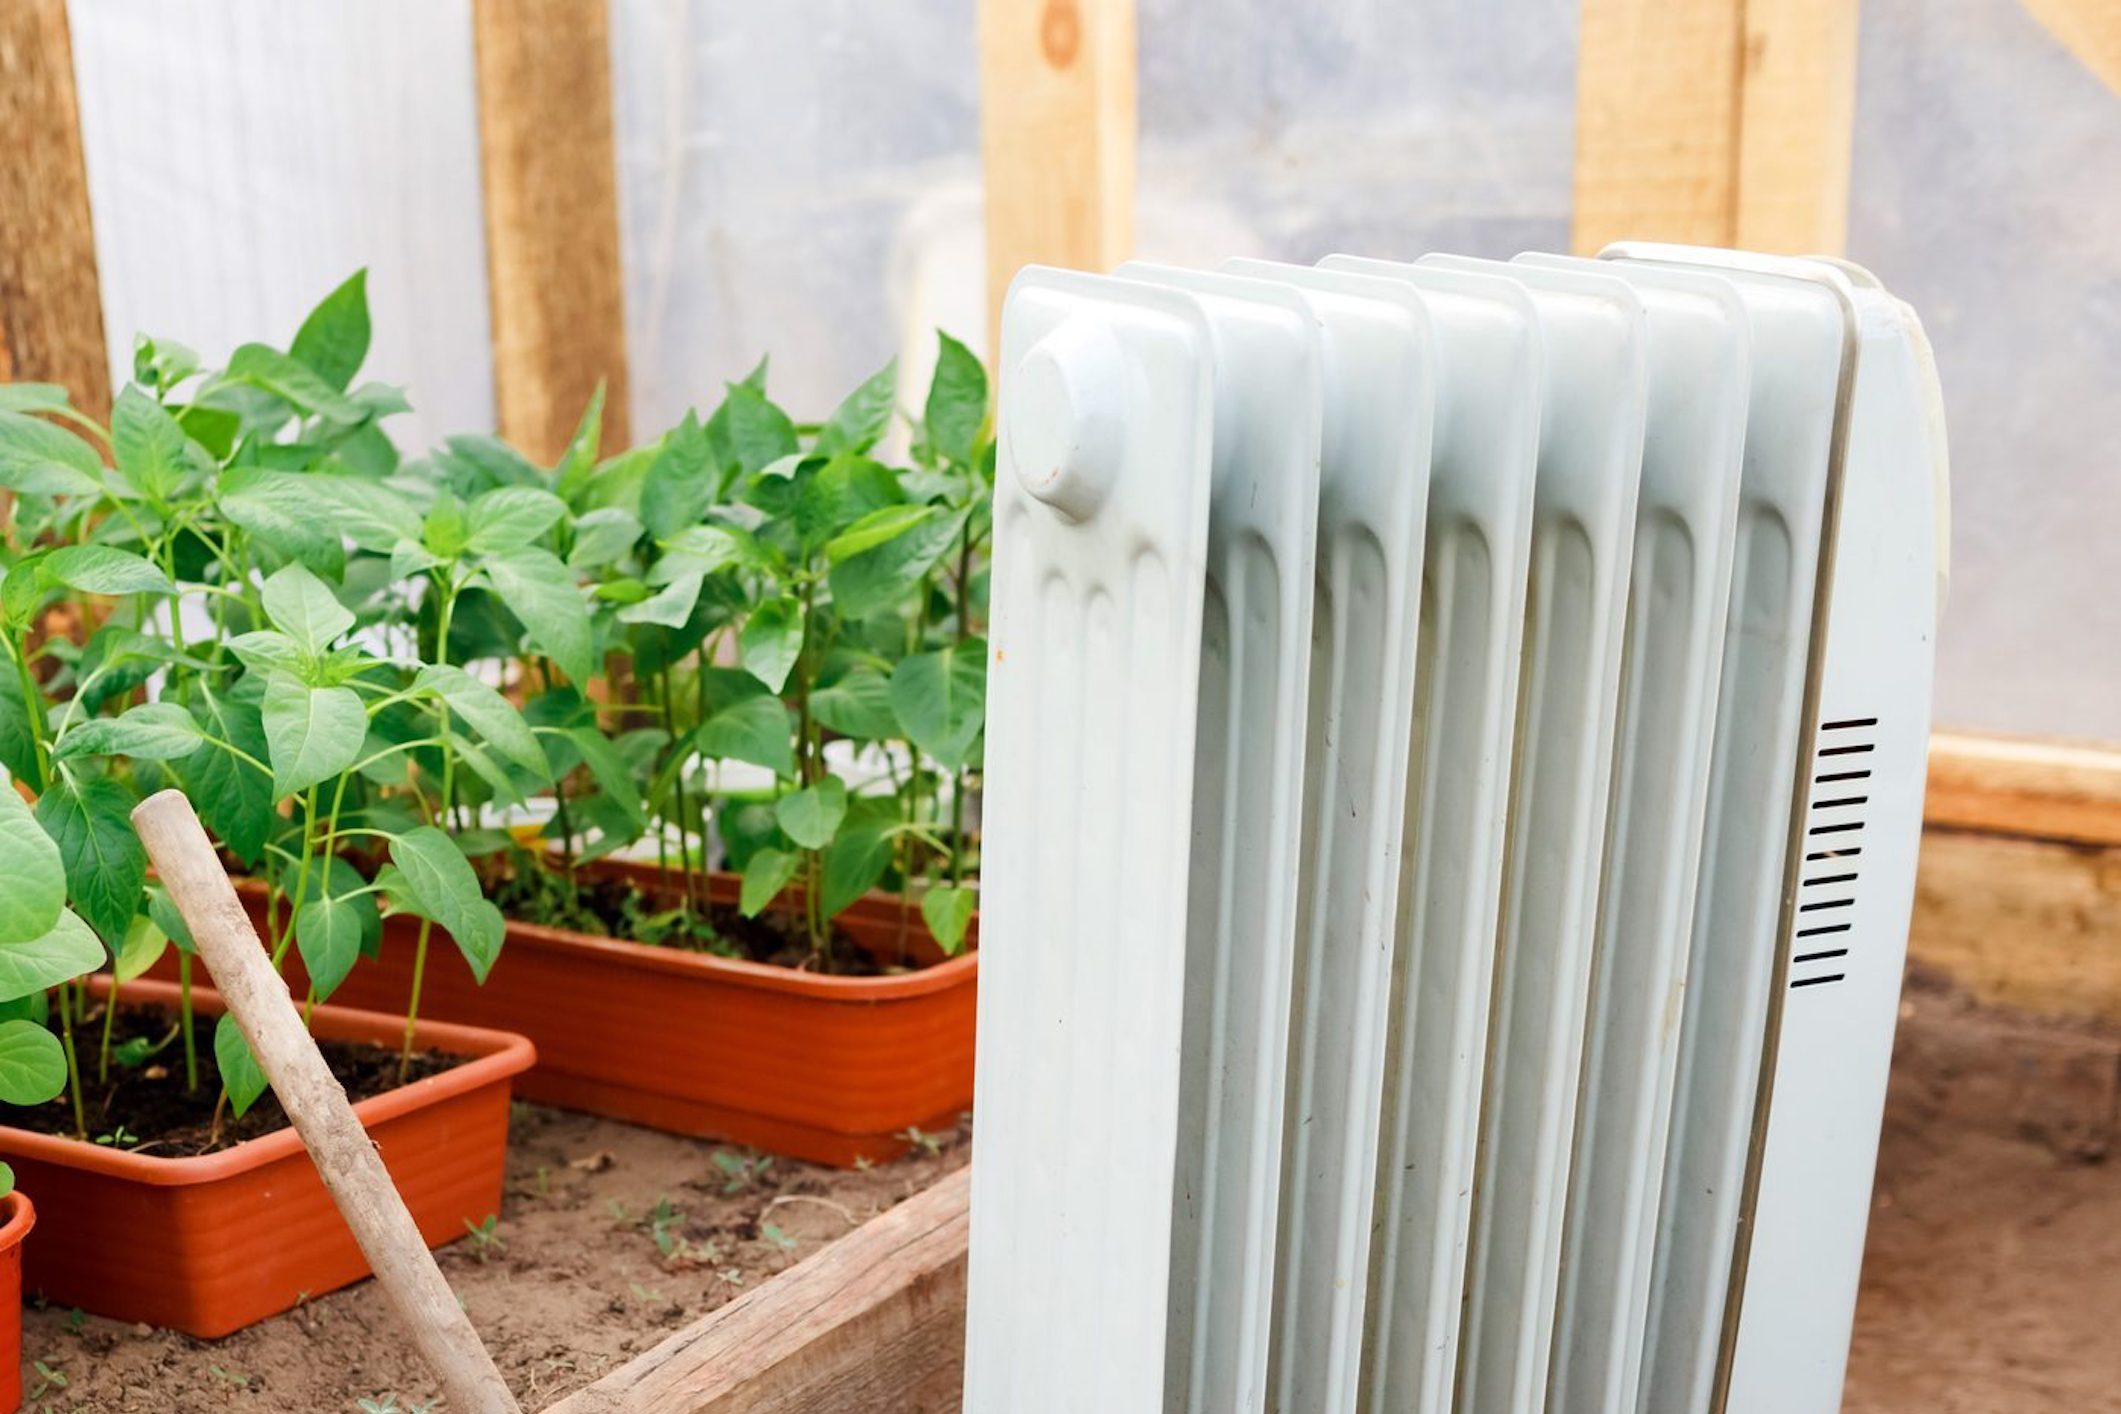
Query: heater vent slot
x,y
1834,821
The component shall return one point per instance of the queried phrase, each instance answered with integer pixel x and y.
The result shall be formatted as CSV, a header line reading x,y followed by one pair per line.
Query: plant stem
x,y
33,708
73,1060
110,1014
412,1007
184,1020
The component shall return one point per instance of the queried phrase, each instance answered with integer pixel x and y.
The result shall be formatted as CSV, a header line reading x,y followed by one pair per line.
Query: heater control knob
x,y
1065,417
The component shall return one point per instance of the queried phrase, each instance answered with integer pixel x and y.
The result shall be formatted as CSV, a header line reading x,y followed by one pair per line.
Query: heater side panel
x,y
1854,885
1101,529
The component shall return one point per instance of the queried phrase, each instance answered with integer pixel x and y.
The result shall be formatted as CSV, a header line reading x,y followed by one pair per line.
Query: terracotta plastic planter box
x,y
828,1069
211,1243
17,1217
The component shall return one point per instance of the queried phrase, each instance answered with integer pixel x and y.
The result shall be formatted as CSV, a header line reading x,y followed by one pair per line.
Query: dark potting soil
x,y
615,908
144,1105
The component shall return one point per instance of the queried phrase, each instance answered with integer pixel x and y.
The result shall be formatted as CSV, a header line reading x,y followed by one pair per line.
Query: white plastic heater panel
x,y
1685,521
1839,991
1797,335
1101,515
1590,463
1490,366
1382,363
1247,781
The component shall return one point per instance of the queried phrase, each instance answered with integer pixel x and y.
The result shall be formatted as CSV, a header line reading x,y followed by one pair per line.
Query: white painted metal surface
x,y
1472,625
1384,370
1590,460
1255,660
1698,497
1101,500
1685,522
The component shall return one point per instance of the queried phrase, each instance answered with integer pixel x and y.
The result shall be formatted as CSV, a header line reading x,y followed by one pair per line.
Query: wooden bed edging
x,y
875,1321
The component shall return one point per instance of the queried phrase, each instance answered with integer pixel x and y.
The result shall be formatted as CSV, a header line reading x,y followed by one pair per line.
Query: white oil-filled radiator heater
x,y
1454,767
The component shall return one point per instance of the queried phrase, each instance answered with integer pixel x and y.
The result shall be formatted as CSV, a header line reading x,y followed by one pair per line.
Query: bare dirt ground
x,y
1992,1284
609,1238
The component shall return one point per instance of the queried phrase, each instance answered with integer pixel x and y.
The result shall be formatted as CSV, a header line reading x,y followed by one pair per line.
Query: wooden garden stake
x,y
345,1157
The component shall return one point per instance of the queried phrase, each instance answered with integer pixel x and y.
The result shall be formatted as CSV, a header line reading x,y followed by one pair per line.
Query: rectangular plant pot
x,y
17,1217
830,1069
212,1243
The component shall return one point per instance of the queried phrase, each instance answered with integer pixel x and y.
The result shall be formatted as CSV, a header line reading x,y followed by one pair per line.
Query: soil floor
x,y
1991,1283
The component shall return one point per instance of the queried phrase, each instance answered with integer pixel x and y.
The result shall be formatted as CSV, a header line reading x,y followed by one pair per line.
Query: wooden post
x,y
1057,128
1796,126
1715,122
552,219
51,307
1657,104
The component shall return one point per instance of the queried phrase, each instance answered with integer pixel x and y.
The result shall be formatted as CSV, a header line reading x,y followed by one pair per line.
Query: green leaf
x,y
669,607
150,447
772,640
580,458
680,483
329,933
32,1066
143,947
18,747
372,515
303,607
241,1076
865,414
436,881
767,873
608,768
311,733
69,950
91,822
755,730
293,382
948,910
42,459
32,877
758,433
163,910
812,815
857,857
941,700
33,397
880,559
603,536
840,493
153,731
956,414
280,508
858,705
333,340
102,569
487,712
511,518
541,592
233,797
266,649
704,549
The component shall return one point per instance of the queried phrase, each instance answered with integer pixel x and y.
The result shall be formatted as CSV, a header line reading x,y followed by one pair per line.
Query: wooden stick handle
x,y
345,1157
